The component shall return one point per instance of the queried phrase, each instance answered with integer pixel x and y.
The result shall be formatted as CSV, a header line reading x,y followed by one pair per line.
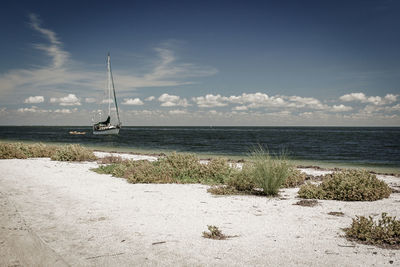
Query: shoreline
x,y
327,165
90,219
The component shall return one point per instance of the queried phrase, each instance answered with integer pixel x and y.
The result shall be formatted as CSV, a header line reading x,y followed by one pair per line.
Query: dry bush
x,y
349,185
384,233
73,153
223,190
214,233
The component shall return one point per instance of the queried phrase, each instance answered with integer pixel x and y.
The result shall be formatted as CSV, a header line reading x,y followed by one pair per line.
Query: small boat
x,y
77,133
106,127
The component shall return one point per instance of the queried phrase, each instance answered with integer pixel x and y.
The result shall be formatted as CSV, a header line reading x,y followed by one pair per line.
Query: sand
x,y
62,214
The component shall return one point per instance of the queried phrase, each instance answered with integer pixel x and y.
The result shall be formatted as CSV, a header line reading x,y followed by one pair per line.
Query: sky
x,y
202,63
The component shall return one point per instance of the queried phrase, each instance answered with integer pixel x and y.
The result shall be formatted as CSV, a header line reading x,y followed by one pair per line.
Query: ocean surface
x,y
374,146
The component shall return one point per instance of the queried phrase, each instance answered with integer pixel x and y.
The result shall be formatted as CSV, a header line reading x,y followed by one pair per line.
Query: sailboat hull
x,y
106,131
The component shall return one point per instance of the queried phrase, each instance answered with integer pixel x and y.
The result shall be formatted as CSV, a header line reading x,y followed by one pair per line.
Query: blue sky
x,y
202,62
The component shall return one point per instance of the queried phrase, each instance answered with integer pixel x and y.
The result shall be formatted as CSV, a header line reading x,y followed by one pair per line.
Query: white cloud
x,y
150,98
133,102
34,99
65,110
240,108
172,101
69,100
106,101
177,112
210,101
309,102
90,100
63,72
33,109
376,100
341,108
54,49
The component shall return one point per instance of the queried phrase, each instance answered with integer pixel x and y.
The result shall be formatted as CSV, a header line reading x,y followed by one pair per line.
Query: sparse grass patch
x,y
307,202
223,190
214,233
336,213
348,185
109,160
73,153
384,233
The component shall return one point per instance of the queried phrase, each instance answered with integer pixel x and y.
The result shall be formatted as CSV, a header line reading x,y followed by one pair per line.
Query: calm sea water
x,y
365,145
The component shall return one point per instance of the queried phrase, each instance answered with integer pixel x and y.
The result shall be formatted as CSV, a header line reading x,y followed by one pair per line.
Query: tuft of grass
x,y
348,185
384,233
214,233
269,172
73,153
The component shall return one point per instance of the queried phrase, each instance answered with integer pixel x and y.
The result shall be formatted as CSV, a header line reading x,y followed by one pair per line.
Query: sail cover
x,y
106,122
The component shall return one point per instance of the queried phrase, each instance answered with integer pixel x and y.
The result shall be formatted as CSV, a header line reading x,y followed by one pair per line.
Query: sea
x,y
339,146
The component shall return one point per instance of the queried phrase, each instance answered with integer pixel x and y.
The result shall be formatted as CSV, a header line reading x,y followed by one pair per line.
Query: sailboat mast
x,y
109,83
112,84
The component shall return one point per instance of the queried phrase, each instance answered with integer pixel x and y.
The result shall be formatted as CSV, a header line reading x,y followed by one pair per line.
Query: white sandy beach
x,y
62,214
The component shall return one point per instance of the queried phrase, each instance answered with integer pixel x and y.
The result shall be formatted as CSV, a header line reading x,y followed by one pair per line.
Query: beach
x,y
63,214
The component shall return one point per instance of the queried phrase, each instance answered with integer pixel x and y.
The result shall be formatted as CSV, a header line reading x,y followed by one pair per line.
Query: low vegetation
x,y
23,151
384,233
348,185
62,153
214,233
73,153
174,168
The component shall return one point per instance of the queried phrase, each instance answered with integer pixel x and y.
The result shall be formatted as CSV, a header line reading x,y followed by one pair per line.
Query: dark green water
x,y
370,146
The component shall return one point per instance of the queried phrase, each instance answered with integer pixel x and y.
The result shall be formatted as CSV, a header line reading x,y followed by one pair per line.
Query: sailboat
x,y
106,127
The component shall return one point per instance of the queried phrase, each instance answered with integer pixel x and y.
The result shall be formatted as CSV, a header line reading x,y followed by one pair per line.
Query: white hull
x,y
107,131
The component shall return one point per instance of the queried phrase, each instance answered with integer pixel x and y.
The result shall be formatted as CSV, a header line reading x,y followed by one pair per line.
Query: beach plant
x,y
214,233
23,151
295,178
268,172
174,168
385,232
73,153
347,185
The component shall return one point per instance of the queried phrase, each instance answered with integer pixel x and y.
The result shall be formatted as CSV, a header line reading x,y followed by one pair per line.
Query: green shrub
x,y
174,168
294,179
386,232
269,172
73,153
242,180
349,185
